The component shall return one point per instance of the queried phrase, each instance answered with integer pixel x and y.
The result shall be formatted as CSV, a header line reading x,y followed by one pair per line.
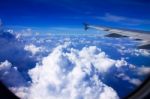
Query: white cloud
x,y
21,91
120,63
5,65
131,66
61,75
10,75
113,18
33,49
135,52
143,70
37,33
26,32
108,94
18,36
10,31
89,56
143,52
133,81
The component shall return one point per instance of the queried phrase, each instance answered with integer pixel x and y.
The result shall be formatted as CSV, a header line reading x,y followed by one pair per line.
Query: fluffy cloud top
x,y
5,65
120,63
68,75
7,72
32,48
91,56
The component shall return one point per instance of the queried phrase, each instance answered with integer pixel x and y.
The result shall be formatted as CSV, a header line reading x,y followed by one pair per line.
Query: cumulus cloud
x,y
120,63
131,66
108,94
67,75
5,65
33,49
135,52
89,56
20,91
7,70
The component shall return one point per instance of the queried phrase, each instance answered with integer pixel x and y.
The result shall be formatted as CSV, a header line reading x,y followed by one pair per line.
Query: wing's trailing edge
x,y
142,36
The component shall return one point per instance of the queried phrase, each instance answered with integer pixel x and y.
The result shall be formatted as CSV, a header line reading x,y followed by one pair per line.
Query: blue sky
x,y
133,14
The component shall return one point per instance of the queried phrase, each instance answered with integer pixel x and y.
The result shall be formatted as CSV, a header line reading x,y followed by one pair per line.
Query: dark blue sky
x,y
72,13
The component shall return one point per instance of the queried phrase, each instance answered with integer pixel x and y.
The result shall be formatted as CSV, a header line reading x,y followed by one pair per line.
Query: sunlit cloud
x,y
62,75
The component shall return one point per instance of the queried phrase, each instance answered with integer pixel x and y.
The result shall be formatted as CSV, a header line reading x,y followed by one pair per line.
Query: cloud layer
x,y
74,70
70,75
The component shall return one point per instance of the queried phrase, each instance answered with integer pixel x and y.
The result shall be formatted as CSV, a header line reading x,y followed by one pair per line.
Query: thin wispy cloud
x,y
1,24
123,20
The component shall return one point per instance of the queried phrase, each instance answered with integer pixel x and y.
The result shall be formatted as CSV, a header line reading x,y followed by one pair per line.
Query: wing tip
x,y
86,26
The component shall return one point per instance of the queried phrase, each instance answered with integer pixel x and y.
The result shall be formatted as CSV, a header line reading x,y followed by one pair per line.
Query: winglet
x,y
85,26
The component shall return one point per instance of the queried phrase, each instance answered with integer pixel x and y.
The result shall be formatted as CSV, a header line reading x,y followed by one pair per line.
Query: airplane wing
x,y
142,36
